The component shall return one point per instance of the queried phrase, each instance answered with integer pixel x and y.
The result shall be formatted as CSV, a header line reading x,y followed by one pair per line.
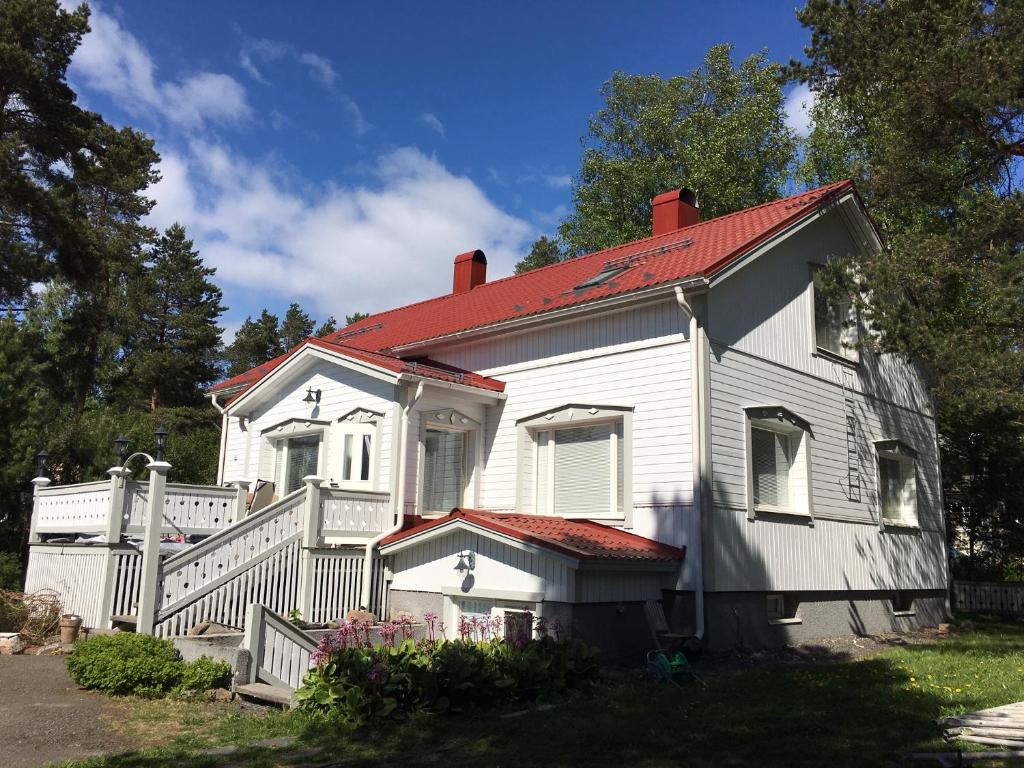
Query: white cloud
x,y
319,68
257,51
798,106
386,242
433,122
360,125
112,61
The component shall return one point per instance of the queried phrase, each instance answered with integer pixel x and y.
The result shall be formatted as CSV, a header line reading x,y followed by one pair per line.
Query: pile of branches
x,y
35,615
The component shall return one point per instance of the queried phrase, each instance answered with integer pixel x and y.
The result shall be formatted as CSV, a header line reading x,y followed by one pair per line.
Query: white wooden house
x,y
682,419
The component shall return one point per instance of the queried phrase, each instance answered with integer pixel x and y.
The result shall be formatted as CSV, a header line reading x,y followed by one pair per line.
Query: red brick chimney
x,y
674,210
470,271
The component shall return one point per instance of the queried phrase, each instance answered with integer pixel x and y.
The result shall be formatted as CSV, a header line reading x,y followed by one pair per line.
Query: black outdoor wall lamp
x,y
311,396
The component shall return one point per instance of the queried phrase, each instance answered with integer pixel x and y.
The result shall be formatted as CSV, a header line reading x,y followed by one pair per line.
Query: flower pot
x,y
69,627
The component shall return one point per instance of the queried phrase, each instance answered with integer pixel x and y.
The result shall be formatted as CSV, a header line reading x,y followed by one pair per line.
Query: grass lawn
x,y
861,713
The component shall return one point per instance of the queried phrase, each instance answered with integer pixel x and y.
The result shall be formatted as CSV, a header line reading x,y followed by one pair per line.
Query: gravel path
x,y
44,717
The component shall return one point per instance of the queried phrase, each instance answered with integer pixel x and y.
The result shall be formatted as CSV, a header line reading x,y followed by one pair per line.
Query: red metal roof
x,y
700,250
582,539
424,367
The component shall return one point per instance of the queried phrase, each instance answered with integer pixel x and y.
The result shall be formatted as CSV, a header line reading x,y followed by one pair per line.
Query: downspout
x,y
397,494
696,388
223,436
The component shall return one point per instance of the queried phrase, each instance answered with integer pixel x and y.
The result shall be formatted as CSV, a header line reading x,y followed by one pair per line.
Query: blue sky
x,y
341,154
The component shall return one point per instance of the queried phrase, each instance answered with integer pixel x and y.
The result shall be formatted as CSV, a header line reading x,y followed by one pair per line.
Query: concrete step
x,y
268,694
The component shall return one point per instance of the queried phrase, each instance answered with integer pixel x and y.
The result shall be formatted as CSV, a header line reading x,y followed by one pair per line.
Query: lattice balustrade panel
x,y
73,508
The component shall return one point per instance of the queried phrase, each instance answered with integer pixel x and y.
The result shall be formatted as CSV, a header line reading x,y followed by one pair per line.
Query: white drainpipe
x,y
223,435
696,551
397,496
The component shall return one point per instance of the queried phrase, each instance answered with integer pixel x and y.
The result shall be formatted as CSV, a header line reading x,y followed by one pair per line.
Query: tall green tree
x,y
256,342
355,317
44,135
543,253
296,326
719,130
330,325
925,104
173,349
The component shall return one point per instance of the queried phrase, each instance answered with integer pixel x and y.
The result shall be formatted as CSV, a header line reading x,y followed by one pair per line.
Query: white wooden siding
x,y
75,573
844,549
430,567
249,455
776,555
739,380
615,586
766,309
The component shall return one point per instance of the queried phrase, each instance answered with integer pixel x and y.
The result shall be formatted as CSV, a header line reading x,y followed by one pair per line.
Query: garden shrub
x,y
354,681
127,663
11,576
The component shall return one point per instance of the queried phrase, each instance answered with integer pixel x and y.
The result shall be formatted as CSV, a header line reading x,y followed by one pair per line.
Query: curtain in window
x,y
303,453
583,471
891,482
772,458
444,470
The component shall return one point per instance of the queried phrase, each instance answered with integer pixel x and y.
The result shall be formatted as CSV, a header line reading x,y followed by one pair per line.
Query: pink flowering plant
x,y
493,661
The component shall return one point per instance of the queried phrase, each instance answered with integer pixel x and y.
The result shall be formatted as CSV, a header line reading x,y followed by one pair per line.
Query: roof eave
x,y
555,315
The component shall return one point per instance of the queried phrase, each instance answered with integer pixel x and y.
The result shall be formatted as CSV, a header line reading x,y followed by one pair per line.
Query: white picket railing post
x,y
241,499
115,523
310,539
38,484
151,546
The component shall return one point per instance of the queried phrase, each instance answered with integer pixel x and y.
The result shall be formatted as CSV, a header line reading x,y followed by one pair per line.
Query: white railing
x,y
1005,598
281,653
127,575
353,514
337,582
74,573
273,581
188,575
187,509
82,508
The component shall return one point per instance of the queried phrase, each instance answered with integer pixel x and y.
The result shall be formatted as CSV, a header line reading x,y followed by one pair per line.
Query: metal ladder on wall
x,y
853,487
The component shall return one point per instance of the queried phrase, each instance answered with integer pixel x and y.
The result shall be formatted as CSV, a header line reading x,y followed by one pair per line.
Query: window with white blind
x,y
580,471
836,327
300,456
778,472
357,448
444,469
897,483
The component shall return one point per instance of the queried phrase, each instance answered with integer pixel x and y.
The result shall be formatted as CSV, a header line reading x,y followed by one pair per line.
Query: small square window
x,y
778,461
836,325
781,609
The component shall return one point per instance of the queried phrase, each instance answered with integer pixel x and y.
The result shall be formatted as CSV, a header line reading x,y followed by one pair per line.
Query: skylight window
x,y
607,273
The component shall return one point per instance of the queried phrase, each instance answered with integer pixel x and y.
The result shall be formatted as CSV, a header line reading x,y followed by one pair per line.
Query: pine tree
x,y
330,325
544,253
173,349
296,326
256,342
355,317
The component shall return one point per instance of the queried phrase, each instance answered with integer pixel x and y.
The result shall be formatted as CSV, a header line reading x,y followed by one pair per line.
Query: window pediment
x,y
779,414
574,412
294,426
897,447
450,417
361,416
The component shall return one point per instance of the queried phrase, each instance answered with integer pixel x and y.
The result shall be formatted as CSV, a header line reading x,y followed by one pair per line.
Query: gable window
x,y
836,328
301,457
778,470
897,482
579,470
444,469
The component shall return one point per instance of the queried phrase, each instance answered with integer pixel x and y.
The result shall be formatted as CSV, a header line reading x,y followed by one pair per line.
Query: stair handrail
x,y
244,525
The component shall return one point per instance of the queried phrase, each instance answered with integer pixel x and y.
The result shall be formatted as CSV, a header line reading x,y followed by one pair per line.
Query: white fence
x,y
280,652
188,509
75,573
82,508
354,514
337,582
127,584
989,597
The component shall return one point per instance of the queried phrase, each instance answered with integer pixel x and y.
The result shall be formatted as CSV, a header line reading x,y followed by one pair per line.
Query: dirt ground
x,y
44,717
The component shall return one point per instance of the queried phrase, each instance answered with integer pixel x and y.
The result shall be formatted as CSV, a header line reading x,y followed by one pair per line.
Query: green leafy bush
x,y
203,674
356,682
11,576
142,665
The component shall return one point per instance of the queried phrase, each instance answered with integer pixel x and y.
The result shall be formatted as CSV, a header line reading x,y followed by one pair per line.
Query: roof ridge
x,y
609,249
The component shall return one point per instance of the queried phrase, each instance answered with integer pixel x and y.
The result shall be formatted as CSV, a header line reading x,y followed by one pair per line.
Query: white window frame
x,y
357,423
848,355
783,421
448,420
906,457
276,440
496,607
568,417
